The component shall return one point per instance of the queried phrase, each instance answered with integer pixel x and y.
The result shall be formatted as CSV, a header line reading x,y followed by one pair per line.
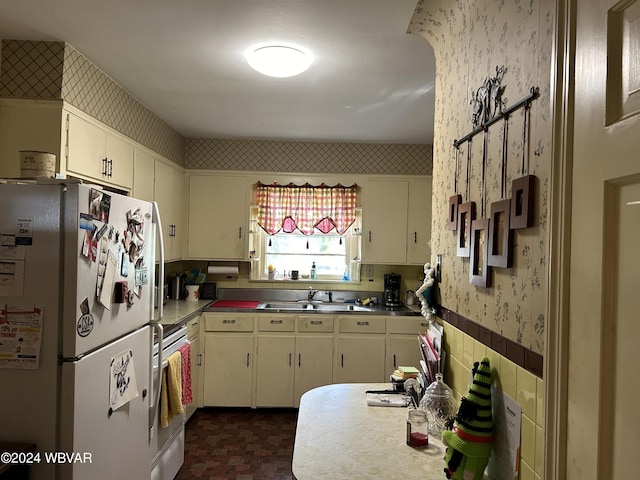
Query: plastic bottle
x,y
314,275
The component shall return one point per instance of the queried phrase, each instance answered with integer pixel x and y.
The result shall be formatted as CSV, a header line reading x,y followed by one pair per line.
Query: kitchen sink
x,y
313,306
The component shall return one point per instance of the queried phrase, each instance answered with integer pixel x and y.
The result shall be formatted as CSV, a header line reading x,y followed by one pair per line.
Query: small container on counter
x,y
417,428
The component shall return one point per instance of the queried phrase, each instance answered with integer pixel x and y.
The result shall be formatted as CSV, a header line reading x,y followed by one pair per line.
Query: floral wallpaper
x,y
470,40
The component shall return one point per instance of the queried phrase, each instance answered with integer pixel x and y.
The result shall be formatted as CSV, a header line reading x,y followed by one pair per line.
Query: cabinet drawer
x,y
280,323
315,323
193,328
361,324
228,323
407,325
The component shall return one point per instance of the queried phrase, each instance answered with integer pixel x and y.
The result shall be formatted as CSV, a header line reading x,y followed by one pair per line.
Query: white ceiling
x,y
184,59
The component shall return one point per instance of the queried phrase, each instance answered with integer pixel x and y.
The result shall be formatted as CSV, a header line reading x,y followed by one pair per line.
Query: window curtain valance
x,y
305,207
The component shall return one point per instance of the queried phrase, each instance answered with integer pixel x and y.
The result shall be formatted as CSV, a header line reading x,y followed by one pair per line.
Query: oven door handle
x,y
155,403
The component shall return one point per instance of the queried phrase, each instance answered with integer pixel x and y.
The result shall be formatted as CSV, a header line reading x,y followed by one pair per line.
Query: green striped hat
x,y
473,427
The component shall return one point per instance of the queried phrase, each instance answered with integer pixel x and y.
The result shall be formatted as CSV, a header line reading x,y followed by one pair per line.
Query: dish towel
x,y
187,393
171,394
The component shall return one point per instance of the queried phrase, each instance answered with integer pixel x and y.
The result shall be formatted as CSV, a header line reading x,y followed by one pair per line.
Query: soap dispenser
x,y
314,275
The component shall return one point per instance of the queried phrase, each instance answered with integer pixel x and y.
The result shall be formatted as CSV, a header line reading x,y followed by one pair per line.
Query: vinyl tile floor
x,y
239,443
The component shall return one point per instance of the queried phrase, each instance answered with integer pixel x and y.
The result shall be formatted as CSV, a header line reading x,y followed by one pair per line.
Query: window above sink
x,y
336,257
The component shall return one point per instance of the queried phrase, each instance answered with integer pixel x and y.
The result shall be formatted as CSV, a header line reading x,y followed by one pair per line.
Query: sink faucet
x,y
311,293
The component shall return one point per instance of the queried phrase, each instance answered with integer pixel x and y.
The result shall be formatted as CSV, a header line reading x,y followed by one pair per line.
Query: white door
x,y
602,320
113,442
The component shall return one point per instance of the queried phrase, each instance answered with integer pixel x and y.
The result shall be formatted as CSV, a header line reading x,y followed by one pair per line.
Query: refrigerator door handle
x,y
158,223
153,408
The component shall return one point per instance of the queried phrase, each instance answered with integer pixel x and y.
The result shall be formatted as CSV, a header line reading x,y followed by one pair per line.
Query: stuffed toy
x,y
469,442
426,292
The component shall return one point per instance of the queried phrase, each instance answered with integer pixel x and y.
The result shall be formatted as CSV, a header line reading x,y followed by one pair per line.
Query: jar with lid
x,y
439,404
417,428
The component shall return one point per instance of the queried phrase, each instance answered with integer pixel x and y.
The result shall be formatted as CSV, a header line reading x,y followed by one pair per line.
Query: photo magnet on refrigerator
x,y
85,322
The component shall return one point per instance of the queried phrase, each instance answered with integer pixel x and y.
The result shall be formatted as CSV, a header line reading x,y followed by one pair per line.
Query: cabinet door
x,y
96,153
313,363
384,221
168,193
119,155
403,350
361,359
143,175
275,371
419,222
87,148
228,370
217,217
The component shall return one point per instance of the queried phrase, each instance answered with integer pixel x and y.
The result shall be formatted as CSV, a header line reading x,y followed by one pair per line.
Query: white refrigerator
x,y
77,274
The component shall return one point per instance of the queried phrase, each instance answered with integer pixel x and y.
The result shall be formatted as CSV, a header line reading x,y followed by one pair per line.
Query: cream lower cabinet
x,y
193,334
228,360
360,349
314,354
402,341
290,364
274,360
271,360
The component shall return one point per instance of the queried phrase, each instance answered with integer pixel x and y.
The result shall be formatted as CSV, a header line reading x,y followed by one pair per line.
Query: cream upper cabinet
x,y
28,125
169,194
218,217
143,175
157,179
419,222
384,221
93,152
396,221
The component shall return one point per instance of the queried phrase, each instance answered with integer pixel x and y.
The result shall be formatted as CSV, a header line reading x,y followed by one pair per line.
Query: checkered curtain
x,y
305,207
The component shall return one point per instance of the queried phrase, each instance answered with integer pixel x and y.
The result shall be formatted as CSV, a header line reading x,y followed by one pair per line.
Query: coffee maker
x,y
392,290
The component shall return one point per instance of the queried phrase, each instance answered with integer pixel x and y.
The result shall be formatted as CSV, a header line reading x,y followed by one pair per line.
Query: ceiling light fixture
x,y
279,60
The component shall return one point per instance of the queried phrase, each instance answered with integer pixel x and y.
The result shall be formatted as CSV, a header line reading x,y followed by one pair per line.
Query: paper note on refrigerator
x,y
122,384
20,336
106,292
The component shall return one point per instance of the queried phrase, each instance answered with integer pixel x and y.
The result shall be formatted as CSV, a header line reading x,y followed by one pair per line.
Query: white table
x,y
339,437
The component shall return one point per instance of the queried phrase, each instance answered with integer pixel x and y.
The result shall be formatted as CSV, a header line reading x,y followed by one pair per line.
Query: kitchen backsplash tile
x,y
518,383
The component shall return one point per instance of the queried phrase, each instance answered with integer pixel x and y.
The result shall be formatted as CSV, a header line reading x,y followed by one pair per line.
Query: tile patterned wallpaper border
x,y
518,354
308,157
55,70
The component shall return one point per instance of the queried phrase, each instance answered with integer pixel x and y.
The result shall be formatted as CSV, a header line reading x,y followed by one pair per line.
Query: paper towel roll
x,y
217,270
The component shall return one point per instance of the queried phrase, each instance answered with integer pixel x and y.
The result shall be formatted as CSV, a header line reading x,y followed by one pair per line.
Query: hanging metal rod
x,y
534,93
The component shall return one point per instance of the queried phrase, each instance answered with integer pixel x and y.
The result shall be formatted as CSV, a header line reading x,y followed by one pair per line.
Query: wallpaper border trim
x,y
518,354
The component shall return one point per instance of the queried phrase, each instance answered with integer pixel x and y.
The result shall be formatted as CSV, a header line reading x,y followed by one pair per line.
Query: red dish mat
x,y
235,304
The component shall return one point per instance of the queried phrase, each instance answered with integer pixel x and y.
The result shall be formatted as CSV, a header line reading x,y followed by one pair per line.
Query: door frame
x,y
557,328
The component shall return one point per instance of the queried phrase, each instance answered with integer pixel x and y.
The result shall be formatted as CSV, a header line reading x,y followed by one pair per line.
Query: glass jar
x,y
439,404
417,428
